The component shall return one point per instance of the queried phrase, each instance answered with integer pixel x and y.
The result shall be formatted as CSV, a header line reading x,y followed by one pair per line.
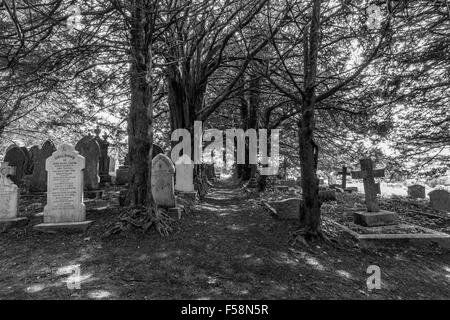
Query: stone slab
x,y
374,219
6,224
70,226
431,237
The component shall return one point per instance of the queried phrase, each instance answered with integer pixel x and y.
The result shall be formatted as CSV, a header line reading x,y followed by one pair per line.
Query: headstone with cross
x,y
344,174
371,188
374,216
9,199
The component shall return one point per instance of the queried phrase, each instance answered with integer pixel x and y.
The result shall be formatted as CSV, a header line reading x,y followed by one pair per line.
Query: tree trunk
x,y
140,128
308,152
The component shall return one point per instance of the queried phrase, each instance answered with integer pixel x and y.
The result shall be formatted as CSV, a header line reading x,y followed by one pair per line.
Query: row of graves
x,y
72,177
368,217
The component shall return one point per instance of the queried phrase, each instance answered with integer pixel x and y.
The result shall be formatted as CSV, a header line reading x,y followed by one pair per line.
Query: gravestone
x,y
65,208
374,216
9,200
123,174
112,164
344,173
39,178
90,150
104,161
162,183
440,199
184,181
15,157
416,191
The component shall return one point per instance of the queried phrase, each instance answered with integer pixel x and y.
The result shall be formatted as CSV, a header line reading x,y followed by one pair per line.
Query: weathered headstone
x,y
65,208
9,199
184,181
162,182
440,199
15,157
112,164
90,150
416,191
122,174
374,216
39,179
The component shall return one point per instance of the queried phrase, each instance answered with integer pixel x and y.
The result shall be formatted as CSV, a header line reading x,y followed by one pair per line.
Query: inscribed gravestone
x,y
65,187
9,193
39,179
90,150
184,174
416,191
15,157
440,199
162,183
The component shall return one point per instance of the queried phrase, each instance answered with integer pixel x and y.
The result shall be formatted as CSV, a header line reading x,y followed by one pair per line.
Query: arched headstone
x,y
39,179
90,150
416,191
162,182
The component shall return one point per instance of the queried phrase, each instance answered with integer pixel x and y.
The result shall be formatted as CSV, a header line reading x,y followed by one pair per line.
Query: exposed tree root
x,y
306,237
142,218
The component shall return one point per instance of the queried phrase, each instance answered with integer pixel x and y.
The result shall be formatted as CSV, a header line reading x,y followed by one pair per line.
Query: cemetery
x,y
123,176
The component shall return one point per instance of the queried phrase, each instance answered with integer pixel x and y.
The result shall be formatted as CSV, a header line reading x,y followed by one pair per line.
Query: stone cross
x,y
371,189
344,174
5,171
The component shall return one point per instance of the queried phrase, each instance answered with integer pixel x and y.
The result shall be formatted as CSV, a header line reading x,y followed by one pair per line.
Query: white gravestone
x,y
163,191
65,207
184,174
